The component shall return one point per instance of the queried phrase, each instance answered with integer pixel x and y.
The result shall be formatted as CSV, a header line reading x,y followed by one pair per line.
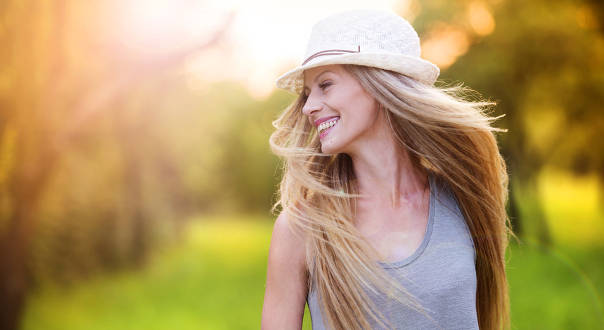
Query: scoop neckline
x,y
427,233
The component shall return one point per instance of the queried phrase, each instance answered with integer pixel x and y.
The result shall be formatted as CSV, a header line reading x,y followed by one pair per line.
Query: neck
x,y
385,173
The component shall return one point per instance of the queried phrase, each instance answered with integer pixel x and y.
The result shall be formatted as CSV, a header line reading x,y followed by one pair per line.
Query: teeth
x,y
327,124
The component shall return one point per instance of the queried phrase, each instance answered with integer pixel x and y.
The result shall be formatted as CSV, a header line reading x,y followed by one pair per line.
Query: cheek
x,y
364,112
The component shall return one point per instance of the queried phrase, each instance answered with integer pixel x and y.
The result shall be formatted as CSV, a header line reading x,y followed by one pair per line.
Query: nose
x,y
311,106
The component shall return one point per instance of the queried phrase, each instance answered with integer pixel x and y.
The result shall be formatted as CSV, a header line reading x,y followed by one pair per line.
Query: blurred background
x,y
136,177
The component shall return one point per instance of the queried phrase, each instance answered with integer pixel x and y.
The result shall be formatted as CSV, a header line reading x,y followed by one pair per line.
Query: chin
x,y
327,151
330,147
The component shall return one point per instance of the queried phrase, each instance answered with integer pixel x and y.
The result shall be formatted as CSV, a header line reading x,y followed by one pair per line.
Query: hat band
x,y
331,52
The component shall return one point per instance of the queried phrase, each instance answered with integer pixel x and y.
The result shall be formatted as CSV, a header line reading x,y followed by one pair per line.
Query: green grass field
x,y
214,279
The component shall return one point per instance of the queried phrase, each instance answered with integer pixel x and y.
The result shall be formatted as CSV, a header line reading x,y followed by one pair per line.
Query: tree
x,y
50,101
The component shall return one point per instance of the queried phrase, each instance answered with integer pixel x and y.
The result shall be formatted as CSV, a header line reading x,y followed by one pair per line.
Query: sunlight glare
x,y
268,38
155,27
480,18
444,44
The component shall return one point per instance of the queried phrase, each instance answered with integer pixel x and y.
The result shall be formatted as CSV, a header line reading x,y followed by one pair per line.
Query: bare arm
x,y
286,288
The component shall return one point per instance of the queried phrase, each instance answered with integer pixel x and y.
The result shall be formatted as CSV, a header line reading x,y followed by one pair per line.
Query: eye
x,y
325,85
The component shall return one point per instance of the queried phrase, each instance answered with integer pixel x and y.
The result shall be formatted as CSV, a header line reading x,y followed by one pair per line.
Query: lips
x,y
326,126
324,119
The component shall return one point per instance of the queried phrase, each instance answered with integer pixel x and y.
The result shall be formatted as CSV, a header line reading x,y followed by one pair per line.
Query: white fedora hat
x,y
368,37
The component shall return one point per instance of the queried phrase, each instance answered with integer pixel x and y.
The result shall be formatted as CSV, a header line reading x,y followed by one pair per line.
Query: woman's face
x,y
339,108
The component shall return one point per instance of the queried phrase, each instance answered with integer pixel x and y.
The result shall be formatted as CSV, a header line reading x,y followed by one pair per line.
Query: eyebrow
x,y
317,77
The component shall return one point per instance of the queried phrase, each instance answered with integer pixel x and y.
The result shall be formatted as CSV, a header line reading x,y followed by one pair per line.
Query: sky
x,y
266,38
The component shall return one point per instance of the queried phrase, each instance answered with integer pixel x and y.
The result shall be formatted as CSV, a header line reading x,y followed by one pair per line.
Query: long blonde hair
x,y
444,133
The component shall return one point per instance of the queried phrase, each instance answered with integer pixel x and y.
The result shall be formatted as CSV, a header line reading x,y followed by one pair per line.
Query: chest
x,y
395,234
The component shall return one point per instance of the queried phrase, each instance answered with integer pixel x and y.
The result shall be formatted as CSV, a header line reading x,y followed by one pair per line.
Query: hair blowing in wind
x,y
445,133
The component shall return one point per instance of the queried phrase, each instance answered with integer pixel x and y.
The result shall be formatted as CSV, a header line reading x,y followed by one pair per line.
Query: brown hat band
x,y
331,52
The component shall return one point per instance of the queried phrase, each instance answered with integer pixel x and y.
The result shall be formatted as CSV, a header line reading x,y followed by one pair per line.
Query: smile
x,y
324,127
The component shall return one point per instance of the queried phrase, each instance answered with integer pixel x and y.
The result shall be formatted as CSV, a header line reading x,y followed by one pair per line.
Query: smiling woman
x,y
352,112
393,193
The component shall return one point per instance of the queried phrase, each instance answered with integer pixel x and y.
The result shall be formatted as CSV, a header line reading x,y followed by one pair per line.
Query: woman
x,y
393,192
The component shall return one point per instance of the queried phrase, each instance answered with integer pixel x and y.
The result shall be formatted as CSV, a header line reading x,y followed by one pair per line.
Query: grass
x,y
214,279
555,289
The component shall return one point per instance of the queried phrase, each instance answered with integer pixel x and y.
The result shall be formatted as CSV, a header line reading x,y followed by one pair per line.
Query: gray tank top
x,y
440,273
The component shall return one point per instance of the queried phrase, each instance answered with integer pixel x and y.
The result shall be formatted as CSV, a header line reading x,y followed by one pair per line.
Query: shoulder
x,y
286,278
288,245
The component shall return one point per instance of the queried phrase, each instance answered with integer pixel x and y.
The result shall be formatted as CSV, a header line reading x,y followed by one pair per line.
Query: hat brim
x,y
414,67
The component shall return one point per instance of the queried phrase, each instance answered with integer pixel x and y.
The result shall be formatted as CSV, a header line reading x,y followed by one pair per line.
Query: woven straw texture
x,y
376,38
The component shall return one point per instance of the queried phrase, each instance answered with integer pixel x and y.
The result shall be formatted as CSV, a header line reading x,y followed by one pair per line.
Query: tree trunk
x,y
15,247
514,210
14,276
526,207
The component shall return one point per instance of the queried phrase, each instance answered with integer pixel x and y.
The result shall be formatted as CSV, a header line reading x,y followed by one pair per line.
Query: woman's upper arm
x,y
286,287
